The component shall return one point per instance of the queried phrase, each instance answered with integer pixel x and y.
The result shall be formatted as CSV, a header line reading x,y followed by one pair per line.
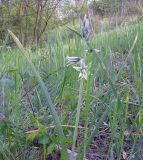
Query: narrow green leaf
x,y
51,148
74,31
47,95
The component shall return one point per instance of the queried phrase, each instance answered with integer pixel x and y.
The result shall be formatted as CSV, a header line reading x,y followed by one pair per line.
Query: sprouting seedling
x,y
86,31
82,68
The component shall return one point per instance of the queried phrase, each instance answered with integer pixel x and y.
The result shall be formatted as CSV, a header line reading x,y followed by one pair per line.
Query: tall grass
x,y
112,98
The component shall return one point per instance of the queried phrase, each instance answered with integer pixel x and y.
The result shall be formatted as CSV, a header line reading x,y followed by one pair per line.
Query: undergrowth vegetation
x,y
39,96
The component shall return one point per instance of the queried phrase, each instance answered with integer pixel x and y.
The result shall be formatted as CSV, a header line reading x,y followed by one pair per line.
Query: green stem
x,y
87,106
77,118
44,148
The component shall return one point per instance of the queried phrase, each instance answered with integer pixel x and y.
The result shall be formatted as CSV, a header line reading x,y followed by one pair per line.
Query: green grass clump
x,y
39,96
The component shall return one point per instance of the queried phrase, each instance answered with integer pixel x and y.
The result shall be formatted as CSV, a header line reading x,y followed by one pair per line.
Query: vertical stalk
x,y
87,106
124,122
77,118
44,148
86,115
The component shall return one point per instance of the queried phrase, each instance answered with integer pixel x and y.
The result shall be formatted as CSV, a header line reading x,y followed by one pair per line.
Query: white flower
x,y
97,50
83,74
82,69
72,60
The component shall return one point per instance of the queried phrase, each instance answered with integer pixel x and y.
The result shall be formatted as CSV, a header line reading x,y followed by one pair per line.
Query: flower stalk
x,y
87,107
77,117
82,69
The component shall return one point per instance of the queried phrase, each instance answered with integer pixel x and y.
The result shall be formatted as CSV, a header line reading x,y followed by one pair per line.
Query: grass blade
x,y
47,95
